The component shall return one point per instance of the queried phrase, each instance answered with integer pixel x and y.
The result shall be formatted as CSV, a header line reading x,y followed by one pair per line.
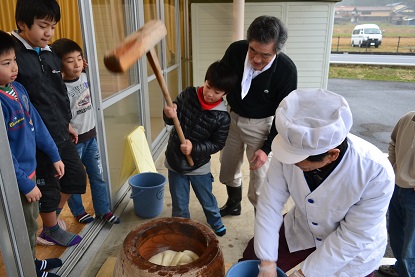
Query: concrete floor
x,y
239,228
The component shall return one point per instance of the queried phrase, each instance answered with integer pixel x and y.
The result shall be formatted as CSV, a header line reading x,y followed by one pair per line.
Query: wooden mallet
x,y
141,42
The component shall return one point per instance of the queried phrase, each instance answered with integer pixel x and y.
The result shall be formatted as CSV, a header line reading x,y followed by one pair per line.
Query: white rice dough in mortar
x,y
173,258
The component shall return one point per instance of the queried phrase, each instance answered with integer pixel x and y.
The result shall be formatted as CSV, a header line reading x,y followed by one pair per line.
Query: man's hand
x,y
60,169
258,159
34,195
170,112
267,269
73,134
186,147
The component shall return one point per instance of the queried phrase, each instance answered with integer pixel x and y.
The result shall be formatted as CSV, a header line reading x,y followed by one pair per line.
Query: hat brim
x,y
280,152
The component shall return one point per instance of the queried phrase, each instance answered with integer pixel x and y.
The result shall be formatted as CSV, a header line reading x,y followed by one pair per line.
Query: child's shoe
x,y
221,231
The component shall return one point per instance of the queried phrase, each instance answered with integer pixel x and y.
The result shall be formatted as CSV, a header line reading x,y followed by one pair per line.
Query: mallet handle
x,y
154,62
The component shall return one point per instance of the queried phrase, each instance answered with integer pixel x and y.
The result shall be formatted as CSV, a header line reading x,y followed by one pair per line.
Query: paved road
x,y
376,106
407,60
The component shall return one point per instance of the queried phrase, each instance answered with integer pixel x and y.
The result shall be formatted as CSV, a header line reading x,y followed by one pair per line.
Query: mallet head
x,y
134,46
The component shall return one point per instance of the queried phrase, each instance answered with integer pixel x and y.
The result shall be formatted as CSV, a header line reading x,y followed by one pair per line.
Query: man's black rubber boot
x,y
233,204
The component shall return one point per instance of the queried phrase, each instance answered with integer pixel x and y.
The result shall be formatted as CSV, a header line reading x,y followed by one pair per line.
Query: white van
x,y
366,35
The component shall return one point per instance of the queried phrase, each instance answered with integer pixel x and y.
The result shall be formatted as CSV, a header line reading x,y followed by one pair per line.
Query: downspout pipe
x,y
238,19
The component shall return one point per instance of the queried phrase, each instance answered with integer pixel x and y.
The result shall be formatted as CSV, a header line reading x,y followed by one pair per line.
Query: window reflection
x,y
120,120
167,56
169,16
110,30
150,13
173,83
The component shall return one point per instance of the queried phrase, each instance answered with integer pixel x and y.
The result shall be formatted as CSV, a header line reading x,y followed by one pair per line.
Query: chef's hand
x,y
267,269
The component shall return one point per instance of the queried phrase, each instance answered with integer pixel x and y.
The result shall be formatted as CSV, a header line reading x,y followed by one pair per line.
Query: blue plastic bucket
x,y
147,193
248,269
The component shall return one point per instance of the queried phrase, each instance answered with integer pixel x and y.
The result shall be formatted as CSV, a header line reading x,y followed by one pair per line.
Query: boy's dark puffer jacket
x,y
206,129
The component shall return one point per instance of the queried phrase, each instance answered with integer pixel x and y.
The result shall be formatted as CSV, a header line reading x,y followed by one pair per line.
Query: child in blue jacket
x,y
26,132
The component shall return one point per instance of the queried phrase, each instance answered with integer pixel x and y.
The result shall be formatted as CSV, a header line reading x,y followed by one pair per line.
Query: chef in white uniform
x,y
341,186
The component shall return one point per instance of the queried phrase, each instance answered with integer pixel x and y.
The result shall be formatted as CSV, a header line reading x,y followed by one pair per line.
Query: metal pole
x,y
338,41
14,239
399,40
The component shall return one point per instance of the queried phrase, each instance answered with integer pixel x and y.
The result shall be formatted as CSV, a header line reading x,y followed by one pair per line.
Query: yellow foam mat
x,y
136,152
141,151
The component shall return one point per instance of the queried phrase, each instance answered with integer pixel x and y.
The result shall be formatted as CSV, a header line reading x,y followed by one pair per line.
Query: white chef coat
x,y
344,218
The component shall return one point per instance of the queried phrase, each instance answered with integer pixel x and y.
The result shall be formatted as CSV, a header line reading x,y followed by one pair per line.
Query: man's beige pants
x,y
249,134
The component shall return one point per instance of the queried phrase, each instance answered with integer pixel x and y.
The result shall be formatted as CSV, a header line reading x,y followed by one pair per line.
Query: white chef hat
x,y
310,122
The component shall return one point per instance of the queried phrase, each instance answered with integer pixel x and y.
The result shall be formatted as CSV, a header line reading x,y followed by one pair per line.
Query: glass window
x,y
157,101
150,13
121,119
110,30
173,83
156,108
113,21
167,56
169,16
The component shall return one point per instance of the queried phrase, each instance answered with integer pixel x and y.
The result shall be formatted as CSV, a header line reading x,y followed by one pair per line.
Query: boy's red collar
x,y
203,103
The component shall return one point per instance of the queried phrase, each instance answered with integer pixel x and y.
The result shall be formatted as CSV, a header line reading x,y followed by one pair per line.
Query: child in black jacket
x,y
205,122
39,72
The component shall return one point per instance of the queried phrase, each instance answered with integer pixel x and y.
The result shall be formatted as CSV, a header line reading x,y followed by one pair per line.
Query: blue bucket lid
x,y
248,268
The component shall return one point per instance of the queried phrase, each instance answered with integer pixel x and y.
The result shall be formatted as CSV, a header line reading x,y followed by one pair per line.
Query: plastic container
x,y
147,193
248,269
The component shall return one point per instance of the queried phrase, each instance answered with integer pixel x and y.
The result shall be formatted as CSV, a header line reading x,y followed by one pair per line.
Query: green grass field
x,y
373,72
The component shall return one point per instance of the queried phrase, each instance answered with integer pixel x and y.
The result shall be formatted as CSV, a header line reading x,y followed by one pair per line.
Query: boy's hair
x,y
65,46
7,43
29,10
221,77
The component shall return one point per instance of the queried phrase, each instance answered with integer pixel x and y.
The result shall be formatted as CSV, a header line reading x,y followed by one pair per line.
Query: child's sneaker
x,y
221,231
